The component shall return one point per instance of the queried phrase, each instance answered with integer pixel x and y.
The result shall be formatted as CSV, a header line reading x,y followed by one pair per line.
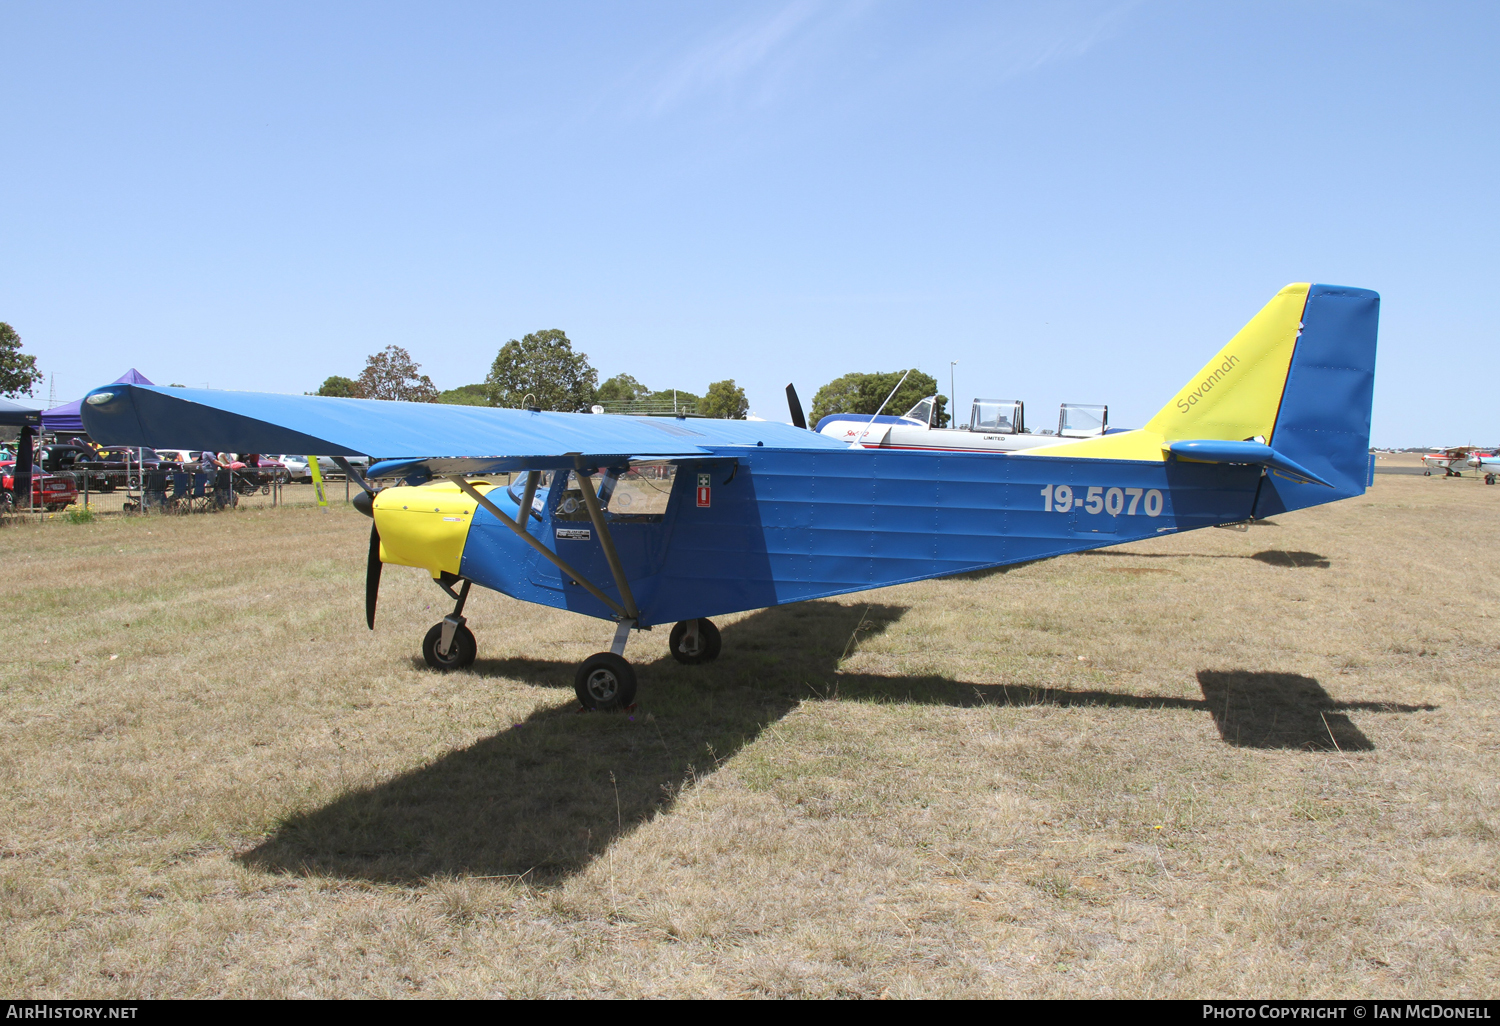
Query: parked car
x,y
73,460
298,469
47,490
119,467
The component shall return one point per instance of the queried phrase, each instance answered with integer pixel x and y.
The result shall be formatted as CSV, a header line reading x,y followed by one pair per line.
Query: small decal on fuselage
x,y
573,534
704,493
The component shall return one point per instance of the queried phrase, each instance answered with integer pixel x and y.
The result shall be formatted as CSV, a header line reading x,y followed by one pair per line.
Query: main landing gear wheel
x,y
460,654
605,681
1489,479
693,649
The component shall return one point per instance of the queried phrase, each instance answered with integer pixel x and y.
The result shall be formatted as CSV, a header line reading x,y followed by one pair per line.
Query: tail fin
x,y
1299,378
1236,395
1323,422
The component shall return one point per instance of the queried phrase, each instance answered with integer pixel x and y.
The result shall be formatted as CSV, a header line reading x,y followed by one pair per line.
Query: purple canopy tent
x,y
69,416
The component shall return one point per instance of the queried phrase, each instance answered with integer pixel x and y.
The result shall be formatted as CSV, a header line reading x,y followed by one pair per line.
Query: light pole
x,y
952,391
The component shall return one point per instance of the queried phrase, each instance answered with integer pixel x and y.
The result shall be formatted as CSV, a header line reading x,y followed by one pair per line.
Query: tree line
x,y
539,370
18,373
864,393
542,370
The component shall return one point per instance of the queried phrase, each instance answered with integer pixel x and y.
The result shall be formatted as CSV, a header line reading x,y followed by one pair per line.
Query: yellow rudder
x,y
1235,396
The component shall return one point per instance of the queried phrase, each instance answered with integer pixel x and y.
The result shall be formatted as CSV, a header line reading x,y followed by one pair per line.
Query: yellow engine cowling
x,y
427,525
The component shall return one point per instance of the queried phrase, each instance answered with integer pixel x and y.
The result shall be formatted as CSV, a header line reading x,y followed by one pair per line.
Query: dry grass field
x,y
1258,763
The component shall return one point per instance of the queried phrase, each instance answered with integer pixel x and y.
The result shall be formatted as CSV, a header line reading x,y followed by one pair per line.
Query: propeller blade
x,y
365,503
372,576
795,404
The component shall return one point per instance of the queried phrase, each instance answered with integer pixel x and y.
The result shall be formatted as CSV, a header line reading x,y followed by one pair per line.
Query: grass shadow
x,y
1282,557
1270,557
1285,710
542,799
546,796
1250,710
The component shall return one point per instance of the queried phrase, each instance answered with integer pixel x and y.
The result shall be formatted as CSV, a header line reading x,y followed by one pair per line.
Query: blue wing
x,y
413,437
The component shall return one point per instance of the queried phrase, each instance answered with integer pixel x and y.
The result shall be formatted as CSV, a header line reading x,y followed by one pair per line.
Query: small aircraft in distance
x,y
1485,463
995,425
648,521
1447,460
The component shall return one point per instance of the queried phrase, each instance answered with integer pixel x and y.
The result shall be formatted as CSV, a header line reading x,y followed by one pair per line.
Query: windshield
x,y
517,490
998,416
637,495
1081,421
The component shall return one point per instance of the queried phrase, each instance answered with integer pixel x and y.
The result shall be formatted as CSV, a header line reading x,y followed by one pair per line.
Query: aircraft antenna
x,y
888,398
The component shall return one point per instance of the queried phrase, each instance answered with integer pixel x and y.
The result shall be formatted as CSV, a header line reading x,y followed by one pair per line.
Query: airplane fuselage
x,y
746,529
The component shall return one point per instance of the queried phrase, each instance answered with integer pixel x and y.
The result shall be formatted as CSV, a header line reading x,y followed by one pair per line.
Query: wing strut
x,y
551,556
607,542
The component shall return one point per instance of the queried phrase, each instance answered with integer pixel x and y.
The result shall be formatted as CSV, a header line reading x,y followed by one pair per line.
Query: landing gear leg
x,y
695,641
605,680
449,644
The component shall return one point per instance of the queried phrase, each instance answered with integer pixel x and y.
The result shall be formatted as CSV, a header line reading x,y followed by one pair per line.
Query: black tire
x,y
460,655
605,681
1426,473
709,642
1489,479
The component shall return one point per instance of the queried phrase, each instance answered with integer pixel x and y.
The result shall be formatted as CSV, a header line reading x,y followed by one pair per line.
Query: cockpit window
x,y
998,416
517,489
1077,420
922,411
637,495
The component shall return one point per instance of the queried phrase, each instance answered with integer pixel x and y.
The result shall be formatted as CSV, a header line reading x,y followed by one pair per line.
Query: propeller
x,y
795,404
365,503
372,576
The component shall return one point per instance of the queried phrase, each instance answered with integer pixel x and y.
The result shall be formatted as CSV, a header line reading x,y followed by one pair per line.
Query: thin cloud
x,y
756,62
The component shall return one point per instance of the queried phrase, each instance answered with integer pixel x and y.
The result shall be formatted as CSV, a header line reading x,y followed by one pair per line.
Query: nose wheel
x,y
458,652
695,641
449,644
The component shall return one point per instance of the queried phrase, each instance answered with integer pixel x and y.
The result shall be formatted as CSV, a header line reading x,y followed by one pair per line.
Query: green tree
x,y
18,373
338,386
725,400
544,366
465,395
863,393
621,388
393,374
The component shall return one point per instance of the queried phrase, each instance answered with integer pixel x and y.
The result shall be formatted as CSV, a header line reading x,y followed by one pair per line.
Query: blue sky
x,y
1077,201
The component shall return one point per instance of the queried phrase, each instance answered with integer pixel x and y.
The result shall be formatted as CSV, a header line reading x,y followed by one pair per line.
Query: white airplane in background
x,y
1448,460
1487,464
995,425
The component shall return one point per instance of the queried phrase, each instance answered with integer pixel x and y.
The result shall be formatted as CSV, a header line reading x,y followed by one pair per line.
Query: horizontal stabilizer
x,y
1255,454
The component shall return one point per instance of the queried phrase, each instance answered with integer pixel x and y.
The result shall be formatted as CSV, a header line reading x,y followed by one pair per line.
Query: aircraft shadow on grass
x,y
540,800
1270,557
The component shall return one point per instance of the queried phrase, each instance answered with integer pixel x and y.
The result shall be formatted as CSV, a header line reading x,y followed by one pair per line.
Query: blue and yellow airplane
x,y
646,521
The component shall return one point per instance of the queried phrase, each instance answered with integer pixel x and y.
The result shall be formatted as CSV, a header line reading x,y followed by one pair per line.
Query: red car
x,y
46,490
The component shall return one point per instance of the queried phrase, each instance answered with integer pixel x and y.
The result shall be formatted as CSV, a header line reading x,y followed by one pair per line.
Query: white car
x,y
298,469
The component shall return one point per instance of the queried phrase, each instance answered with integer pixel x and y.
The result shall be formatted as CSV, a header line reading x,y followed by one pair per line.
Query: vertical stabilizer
x,y
1324,418
1237,393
